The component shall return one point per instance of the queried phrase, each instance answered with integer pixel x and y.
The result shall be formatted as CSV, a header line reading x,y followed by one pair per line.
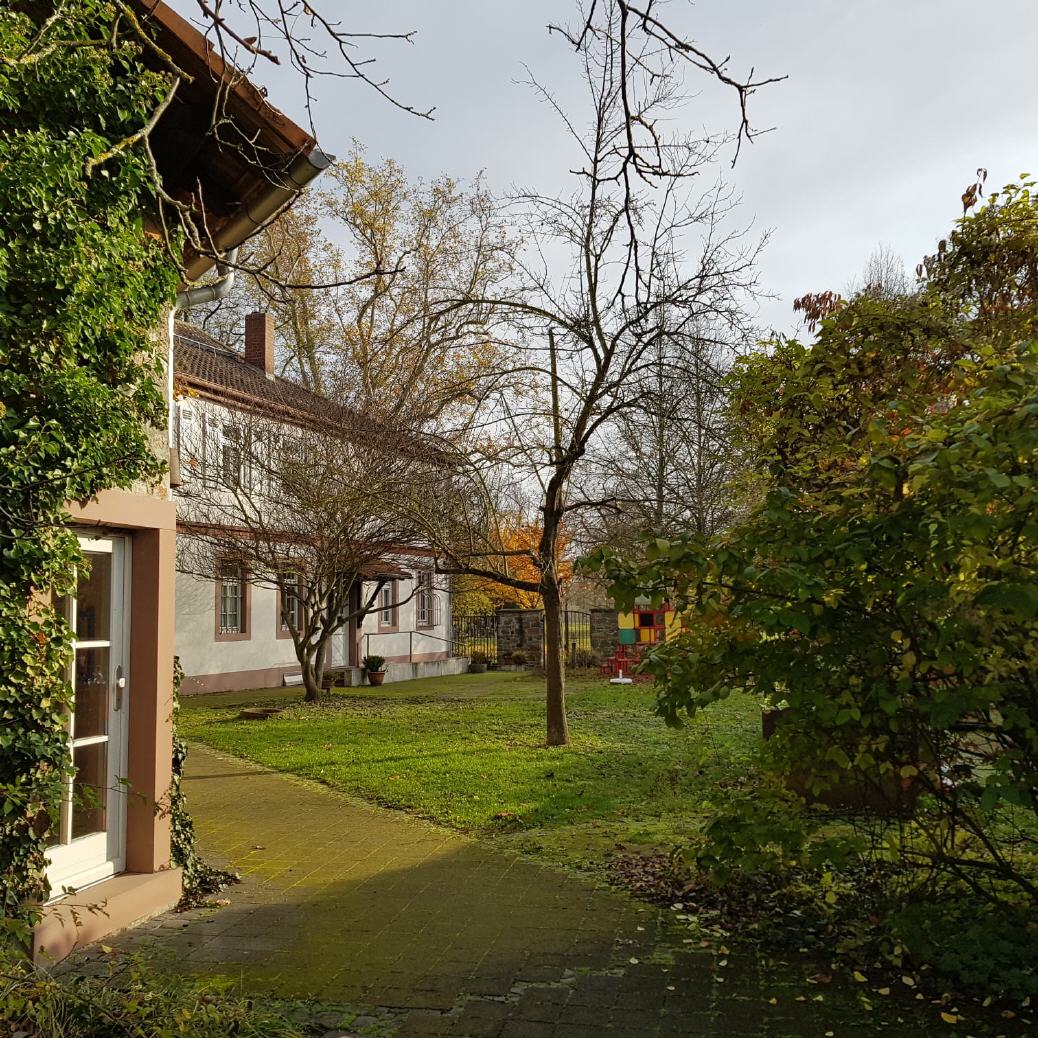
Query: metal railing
x,y
411,635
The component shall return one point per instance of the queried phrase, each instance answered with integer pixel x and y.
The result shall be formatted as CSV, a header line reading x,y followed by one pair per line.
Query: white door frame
x,y
76,863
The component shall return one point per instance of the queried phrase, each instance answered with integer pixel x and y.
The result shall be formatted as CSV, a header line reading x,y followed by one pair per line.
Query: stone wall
x,y
521,629
603,632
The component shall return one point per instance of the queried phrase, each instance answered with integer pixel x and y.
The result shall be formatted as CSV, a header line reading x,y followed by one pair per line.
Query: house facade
x,y
109,865
234,626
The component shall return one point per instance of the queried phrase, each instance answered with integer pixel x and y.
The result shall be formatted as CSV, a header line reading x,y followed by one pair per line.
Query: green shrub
x,y
130,1002
585,659
968,948
882,583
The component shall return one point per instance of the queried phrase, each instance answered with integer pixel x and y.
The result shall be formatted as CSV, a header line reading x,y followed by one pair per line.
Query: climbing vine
x,y
200,878
82,286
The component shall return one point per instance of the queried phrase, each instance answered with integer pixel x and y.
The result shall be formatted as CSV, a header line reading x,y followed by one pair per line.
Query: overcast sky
x,y
888,110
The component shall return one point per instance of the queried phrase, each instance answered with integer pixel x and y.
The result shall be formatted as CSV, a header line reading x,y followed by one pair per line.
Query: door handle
x,y
120,685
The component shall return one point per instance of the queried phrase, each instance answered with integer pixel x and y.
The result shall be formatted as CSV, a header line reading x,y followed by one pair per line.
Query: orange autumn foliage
x,y
517,535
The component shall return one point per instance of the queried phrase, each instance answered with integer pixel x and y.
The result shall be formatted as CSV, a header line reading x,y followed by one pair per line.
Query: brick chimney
x,y
259,342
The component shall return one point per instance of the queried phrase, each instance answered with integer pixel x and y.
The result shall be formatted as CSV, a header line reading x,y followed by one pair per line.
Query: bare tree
x,y
590,333
301,503
665,465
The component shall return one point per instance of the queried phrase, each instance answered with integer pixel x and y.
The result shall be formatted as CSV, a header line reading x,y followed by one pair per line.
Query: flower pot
x,y
376,677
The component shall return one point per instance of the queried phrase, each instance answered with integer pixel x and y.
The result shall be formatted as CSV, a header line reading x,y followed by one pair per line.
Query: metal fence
x,y
576,634
479,632
476,632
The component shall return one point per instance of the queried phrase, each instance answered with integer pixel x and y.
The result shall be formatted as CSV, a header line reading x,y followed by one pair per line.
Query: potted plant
x,y
518,659
375,667
478,663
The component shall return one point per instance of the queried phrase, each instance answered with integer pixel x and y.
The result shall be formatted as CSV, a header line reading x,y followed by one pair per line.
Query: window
x,y
425,600
232,601
651,625
212,451
290,613
387,605
230,457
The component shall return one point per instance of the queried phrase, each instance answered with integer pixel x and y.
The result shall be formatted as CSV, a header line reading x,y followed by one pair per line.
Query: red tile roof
x,y
205,365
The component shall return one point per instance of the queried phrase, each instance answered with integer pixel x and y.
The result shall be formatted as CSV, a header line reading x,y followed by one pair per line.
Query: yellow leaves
x,y
949,1018
859,977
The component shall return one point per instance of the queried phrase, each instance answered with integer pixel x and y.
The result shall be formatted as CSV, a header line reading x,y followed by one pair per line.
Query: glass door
x,y
91,835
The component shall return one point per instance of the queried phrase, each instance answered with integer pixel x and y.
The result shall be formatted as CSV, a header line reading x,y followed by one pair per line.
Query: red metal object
x,y
626,658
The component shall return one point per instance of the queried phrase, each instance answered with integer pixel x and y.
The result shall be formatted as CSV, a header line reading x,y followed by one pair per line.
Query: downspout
x,y
195,297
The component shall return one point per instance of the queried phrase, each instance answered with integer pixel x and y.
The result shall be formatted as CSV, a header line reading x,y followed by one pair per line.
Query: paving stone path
x,y
430,933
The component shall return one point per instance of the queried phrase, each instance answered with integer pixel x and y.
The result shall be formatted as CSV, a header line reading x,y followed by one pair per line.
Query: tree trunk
x,y
554,668
311,679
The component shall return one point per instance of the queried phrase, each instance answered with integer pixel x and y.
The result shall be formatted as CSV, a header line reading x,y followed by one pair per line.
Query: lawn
x,y
468,752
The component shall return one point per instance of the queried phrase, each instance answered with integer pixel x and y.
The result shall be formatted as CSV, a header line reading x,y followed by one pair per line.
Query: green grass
x,y
468,752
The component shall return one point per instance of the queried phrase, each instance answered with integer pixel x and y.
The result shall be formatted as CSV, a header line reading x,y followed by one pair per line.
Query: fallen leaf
x,y
949,1018
910,981
883,991
633,961
773,1001
859,977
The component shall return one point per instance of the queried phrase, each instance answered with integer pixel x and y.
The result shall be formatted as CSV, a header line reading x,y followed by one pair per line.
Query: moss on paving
x,y
347,903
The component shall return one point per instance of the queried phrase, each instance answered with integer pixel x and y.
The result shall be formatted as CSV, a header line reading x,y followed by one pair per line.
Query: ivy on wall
x,y
200,878
82,287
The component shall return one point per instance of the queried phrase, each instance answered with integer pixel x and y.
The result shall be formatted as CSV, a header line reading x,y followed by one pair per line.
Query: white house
x,y
232,631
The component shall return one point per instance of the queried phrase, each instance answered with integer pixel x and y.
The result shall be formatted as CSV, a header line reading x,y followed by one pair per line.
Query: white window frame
x,y
385,612
228,579
291,602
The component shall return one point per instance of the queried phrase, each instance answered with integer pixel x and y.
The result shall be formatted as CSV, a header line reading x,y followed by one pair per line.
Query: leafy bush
x,y
84,288
479,658
585,658
959,940
132,1002
374,663
518,658
883,581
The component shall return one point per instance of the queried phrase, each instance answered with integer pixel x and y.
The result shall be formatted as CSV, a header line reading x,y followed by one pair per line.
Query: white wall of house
x,y
422,628
414,628
262,660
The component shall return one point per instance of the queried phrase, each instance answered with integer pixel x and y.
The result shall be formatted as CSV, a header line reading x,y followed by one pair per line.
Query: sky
x,y
888,110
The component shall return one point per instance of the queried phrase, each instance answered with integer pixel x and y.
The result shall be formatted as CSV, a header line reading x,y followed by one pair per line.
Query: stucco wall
x,y
203,657
263,659
410,641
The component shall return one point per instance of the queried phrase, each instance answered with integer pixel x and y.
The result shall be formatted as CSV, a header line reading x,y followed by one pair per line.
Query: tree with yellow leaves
x,y
374,284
